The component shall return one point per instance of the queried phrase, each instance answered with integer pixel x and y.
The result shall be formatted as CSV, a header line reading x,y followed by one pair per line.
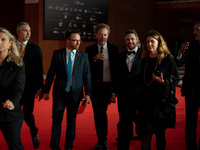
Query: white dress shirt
x,y
130,58
19,46
106,64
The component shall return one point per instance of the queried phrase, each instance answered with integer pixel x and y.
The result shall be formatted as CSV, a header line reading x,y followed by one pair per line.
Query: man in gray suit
x,y
68,87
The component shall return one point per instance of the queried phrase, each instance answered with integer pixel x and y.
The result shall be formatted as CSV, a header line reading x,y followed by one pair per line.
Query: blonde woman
x,y
159,78
12,81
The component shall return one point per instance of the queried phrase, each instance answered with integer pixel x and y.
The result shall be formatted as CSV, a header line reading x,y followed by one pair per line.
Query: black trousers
x,y
28,101
72,108
191,105
12,134
100,100
127,115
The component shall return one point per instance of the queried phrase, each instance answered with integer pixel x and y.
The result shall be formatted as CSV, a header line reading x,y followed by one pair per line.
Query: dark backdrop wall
x,y
174,21
122,16
11,12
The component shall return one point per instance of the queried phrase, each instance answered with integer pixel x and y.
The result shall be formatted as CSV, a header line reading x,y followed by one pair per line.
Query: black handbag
x,y
166,106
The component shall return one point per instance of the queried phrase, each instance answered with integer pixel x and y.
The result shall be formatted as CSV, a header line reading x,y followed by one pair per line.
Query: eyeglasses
x,y
76,40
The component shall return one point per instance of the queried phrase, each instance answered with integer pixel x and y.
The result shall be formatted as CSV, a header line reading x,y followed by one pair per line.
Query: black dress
x,y
152,94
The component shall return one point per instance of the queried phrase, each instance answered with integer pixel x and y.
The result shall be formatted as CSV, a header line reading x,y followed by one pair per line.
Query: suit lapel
x,y
96,50
77,59
124,60
137,56
63,57
110,54
27,53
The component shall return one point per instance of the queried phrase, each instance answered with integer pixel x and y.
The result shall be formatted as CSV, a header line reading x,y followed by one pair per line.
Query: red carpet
x,y
85,132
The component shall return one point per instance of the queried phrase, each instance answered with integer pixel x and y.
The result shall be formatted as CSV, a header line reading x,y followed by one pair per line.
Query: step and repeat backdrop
x,y
80,15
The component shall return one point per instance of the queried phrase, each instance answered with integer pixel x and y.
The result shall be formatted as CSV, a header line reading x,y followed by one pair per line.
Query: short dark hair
x,y
69,32
130,31
20,24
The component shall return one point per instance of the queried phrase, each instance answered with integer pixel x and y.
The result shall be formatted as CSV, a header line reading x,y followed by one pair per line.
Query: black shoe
x,y
105,146
199,145
55,148
135,138
131,139
36,142
97,146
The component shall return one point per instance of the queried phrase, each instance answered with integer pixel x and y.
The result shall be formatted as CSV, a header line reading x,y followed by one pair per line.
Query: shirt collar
x,y
24,43
104,47
136,49
68,51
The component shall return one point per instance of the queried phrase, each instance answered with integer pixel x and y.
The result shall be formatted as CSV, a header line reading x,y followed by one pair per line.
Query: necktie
x,y
101,67
101,50
21,49
69,70
131,52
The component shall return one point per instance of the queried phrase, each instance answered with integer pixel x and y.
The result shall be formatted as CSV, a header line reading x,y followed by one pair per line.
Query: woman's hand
x,y
8,105
158,79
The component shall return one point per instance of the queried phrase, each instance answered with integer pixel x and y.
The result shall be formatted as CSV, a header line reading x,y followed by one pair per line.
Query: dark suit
x,y
190,89
129,85
61,99
101,91
34,81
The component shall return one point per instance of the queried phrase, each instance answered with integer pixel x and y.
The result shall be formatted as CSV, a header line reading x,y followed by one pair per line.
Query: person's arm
x,y
49,78
181,55
17,88
39,68
87,80
183,48
38,72
171,81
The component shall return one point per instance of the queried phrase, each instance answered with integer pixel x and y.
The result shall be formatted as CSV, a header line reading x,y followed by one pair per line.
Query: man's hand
x,y
39,94
99,56
86,100
183,48
45,96
113,98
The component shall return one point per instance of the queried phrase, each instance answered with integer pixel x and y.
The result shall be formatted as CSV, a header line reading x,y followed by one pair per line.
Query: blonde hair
x,y
102,26
163,50
13,53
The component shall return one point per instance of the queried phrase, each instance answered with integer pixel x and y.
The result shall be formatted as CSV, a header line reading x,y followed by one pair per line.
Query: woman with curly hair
x,y
12,81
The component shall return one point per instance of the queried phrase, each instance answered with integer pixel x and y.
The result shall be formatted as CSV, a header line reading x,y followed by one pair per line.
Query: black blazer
x,y
81,76
33,67
12,81
192,70
113,50
129,83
